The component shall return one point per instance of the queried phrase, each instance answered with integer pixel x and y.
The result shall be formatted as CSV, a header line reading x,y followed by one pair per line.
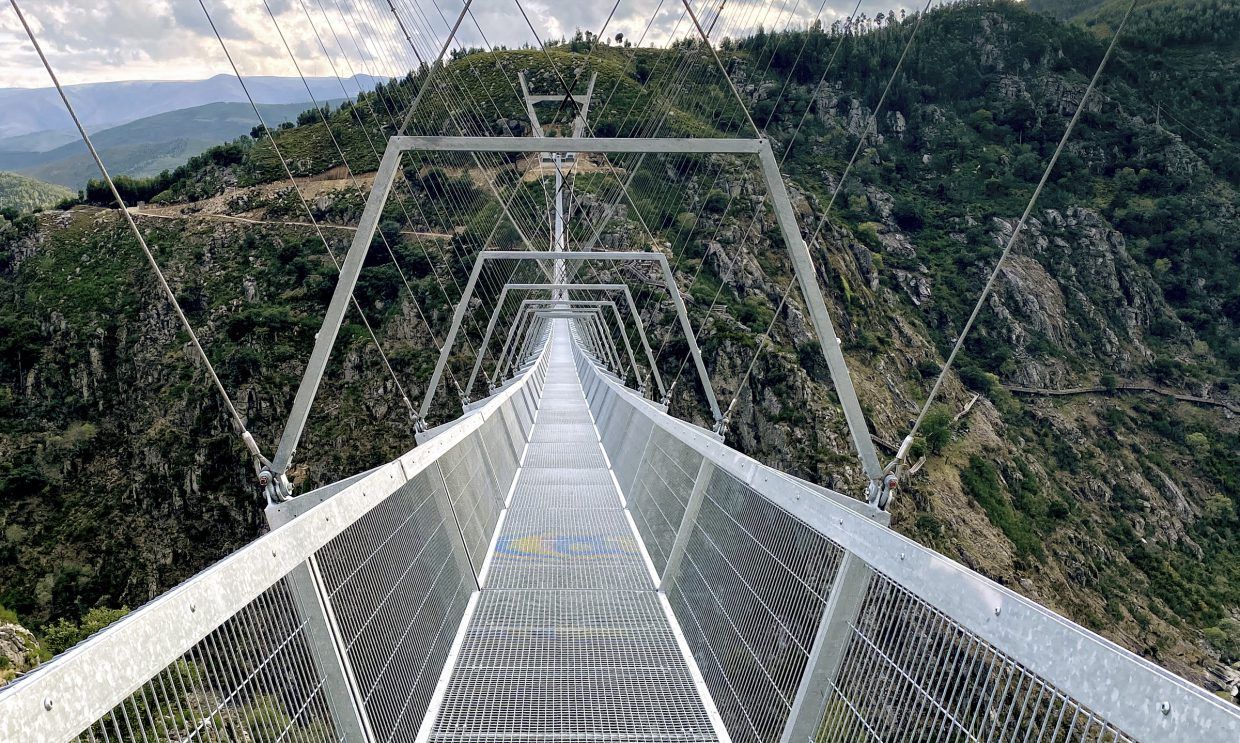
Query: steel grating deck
x,y
569,640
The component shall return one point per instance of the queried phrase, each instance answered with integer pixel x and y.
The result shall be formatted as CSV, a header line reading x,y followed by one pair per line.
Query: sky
x,y
104,40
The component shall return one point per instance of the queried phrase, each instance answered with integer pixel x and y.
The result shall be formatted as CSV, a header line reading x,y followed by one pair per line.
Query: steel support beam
x,y
826,655
667,145
326,643
513,334
325,340
611,343
807,277
687,522
458,314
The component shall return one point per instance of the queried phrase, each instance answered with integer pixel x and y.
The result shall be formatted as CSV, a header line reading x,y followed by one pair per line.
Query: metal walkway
x,y
569,638
567,562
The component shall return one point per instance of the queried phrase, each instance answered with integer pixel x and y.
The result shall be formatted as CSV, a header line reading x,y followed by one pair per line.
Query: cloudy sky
x,y
101,40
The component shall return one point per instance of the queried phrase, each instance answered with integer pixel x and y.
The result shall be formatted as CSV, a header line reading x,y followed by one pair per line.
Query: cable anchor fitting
x,y
276,486
880,491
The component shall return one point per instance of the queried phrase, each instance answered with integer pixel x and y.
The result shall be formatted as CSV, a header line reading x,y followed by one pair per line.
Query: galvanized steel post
x,y
326,643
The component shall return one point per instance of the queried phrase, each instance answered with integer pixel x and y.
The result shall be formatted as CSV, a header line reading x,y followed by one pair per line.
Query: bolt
x,y
193,607
901,555
998,610
1164,707
47,704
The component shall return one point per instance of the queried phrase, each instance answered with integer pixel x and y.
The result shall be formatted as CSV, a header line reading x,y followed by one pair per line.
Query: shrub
x,y
64,634
936,429
981,483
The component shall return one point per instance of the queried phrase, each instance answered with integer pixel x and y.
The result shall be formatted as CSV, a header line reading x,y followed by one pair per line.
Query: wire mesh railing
x,y
252,678
911,673
808,619
336,625
812,621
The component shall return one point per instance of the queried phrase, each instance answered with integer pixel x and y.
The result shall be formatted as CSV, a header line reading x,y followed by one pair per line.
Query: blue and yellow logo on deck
x,y
565,546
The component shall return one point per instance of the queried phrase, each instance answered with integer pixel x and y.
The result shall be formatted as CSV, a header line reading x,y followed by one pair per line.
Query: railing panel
x,y
750,592
498,448
253,678
512,427
630,450
398,593
613,422
911,673
525,412
474,494
661,491
914,647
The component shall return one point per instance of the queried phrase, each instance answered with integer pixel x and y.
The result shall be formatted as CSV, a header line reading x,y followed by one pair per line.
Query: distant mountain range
x,y
143,127
40,112
147,145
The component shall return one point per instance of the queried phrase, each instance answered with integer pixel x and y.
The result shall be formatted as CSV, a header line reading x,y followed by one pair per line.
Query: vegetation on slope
x,y
1120,511
22,194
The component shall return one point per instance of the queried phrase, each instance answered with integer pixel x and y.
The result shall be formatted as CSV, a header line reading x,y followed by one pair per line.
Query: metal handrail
x,y
1129,693
62,698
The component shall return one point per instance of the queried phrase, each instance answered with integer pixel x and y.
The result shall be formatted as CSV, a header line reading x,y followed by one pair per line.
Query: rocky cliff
x,y
119,474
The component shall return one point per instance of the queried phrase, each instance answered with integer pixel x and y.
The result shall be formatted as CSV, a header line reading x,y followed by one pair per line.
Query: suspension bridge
x,y
566,560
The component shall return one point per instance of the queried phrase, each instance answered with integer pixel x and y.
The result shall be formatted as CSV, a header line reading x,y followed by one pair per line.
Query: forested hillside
x,y
119,476
22,194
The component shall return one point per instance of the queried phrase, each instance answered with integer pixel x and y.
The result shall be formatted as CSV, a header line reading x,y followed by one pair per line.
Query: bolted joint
x,y
419,424
721,427
879,492
275,485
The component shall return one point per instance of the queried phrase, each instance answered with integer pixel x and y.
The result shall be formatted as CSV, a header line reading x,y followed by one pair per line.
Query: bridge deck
x,y
569,639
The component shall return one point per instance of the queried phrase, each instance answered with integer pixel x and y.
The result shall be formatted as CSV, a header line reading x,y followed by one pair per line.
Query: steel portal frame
x,y
537,307
669,283
802,261
622,288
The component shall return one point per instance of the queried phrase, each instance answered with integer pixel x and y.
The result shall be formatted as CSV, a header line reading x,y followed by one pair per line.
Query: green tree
x,y
936,429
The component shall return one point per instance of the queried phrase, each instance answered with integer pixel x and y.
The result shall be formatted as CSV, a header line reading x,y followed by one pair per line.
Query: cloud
x,y
172,39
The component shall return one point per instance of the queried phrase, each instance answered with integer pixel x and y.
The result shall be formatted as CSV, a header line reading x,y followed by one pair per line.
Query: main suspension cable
x,y
871,121
259,460
907,442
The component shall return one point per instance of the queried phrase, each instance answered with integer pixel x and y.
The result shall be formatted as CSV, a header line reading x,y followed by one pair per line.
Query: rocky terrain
x,y
119,476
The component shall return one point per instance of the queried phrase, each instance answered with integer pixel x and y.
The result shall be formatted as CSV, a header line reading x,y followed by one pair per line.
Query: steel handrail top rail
x,y
60,699
1133,694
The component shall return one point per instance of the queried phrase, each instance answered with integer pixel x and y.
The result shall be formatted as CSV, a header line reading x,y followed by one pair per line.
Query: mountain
x,y
1086,450
103,105
149,145
36,141
27,194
